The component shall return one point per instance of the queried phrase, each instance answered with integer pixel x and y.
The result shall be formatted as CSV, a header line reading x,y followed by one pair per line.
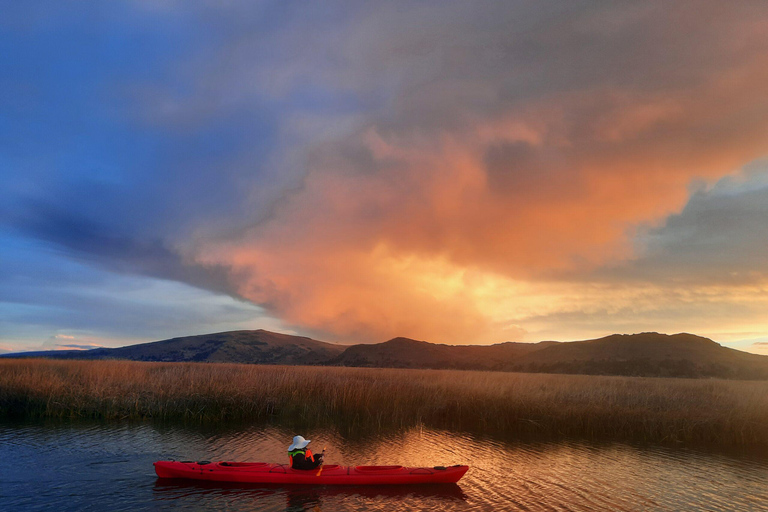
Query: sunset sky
x,y
458,172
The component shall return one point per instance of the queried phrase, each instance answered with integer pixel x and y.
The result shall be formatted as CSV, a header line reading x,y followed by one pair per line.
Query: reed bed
x,y
663,410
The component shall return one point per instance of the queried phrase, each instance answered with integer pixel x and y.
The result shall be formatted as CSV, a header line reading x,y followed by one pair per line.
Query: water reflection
x,y
309,498
94,467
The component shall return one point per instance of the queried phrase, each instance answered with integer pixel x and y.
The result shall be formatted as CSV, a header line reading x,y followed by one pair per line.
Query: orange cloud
x,y
402,227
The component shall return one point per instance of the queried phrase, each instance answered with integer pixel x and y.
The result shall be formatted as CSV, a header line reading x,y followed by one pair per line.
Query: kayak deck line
x,y
331,474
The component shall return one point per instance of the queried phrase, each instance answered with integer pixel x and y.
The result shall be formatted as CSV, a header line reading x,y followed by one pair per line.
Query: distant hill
x,y
408,353
647,354
255,347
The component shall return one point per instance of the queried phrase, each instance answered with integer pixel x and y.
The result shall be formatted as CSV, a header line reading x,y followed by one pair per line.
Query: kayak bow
x,y
331,474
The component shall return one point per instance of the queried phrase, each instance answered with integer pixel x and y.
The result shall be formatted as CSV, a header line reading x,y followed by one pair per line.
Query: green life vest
x,y
303,451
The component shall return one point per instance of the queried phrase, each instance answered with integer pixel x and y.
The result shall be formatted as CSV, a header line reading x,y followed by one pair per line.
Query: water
x,y
109,467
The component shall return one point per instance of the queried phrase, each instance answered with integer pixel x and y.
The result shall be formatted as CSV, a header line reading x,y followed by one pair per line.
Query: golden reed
x,y
721,412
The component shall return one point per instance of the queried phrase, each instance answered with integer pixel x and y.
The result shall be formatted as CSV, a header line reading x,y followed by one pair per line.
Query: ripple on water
x,y
90,467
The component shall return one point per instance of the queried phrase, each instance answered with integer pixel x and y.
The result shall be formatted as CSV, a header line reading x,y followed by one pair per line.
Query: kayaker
x,y
301,457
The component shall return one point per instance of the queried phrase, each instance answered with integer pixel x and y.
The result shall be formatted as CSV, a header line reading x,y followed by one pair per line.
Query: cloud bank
x,y
451,171
514,143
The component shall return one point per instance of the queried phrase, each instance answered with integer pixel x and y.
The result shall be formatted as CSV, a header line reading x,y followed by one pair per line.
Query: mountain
x,y
647,354
408,353
256,347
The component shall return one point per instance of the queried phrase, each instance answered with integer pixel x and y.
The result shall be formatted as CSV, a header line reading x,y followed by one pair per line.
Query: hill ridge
x,y
648,354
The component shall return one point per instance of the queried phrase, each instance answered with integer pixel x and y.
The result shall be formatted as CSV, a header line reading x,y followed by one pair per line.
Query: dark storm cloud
x,y
43,292
103,244
720,237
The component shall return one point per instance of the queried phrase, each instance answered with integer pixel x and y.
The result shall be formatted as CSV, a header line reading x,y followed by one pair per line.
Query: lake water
x,y
109,467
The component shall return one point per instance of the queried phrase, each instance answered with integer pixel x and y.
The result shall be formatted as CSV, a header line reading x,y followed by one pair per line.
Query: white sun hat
x,y
299,443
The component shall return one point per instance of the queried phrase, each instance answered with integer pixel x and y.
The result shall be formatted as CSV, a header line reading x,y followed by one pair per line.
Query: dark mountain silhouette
x,y
257,347
646,354
408,353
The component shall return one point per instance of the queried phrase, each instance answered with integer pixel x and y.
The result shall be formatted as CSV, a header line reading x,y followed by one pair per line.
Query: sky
x,y
451,171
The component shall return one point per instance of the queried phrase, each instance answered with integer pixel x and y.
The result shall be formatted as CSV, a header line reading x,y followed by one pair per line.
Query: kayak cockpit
x,y
243,465
378,469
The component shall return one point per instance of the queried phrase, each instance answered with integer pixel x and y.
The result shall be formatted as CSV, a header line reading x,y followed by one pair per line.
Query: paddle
x,y
321,464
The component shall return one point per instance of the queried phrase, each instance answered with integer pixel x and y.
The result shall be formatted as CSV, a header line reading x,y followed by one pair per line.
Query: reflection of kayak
x,y
263,473
174,489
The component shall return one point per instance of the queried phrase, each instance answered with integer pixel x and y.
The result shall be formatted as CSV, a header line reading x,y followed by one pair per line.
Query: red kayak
x,y
264,473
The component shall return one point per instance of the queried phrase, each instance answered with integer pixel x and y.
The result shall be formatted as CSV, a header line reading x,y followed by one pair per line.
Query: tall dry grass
x,y
619,408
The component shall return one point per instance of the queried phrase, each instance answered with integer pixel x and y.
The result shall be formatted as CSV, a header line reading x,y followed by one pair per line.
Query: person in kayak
x,y
300,457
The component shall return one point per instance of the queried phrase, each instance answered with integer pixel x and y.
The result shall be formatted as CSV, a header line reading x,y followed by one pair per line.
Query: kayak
x,y
332,474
